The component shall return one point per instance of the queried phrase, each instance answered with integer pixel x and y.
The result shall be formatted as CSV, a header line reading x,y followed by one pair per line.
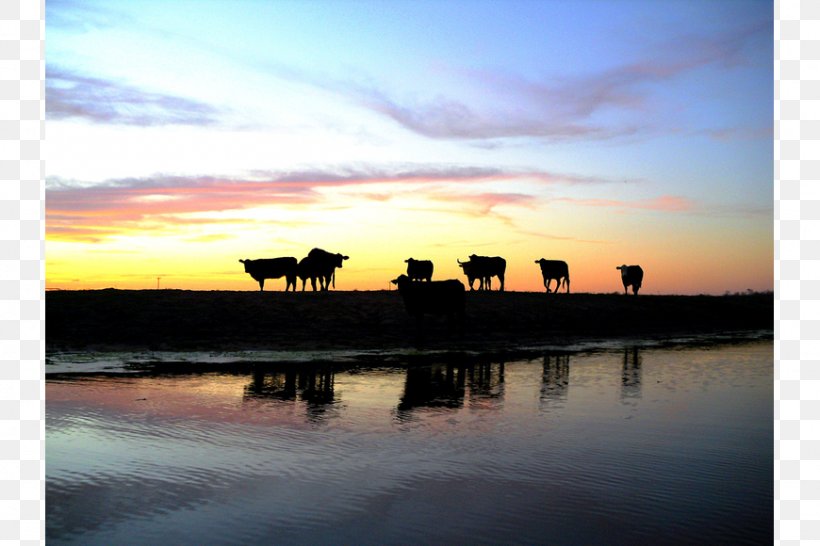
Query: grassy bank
x,y
221,320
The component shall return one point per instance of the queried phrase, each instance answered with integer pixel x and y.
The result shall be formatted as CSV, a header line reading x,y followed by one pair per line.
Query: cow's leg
x,y
313,283
547,283
261,284
626,291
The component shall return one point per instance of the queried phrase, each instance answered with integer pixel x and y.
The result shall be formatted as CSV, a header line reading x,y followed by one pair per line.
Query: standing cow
x,y
320,264
631,275
554,269
272,268
484,268
419,269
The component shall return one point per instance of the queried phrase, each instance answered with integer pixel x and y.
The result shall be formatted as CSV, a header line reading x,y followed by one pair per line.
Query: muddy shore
x,y
183,320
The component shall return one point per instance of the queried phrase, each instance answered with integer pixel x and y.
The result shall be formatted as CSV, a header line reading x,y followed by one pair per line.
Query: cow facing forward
x,y
272,268
554,269
421,270
484,268
631,275
320,264
432,298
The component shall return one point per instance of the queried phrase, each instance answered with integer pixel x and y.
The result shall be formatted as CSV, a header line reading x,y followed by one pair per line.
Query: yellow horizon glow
x,y
380,227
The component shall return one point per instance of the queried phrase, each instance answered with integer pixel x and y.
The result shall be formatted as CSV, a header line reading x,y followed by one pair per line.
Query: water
x,y
634,446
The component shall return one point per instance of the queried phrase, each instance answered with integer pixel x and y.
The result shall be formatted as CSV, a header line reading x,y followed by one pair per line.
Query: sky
x,y
183,136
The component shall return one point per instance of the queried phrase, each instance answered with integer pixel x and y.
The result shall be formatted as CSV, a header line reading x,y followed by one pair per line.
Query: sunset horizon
x,y
185,137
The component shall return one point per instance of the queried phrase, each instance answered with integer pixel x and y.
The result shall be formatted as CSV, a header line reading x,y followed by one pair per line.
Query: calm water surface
x,y
638,446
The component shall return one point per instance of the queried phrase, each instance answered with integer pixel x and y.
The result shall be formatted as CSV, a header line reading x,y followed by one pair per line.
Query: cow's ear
x,y
345,257
242,261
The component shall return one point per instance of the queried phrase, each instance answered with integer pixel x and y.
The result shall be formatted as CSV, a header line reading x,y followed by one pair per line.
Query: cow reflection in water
x,y
631,374
447,385
312,385
486,384
555,379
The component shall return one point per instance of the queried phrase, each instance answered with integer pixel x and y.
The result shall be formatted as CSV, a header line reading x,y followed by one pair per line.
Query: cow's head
x,y
340,259
541,261
401,280
246,263
623,269
409,260
462,264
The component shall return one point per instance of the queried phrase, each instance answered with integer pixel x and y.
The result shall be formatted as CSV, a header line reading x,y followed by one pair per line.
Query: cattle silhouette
x,y
320,264
272,268
484,268
471,272
419,269
554,269
631,275
432,298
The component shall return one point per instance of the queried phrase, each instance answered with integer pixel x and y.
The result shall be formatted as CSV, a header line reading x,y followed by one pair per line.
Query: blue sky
x,y
619,122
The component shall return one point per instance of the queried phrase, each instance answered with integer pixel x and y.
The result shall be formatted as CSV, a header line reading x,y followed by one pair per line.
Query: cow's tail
x,y
333,279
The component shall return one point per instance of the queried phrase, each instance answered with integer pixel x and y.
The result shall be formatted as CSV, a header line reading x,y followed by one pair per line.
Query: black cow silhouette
x,y
631,275
419,269
554,269
484,268
432,298
320,264
272,268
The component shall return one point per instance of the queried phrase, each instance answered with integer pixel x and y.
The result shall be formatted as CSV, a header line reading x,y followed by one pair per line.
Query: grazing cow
x,y
631,275
554,269
431,298
322,265
419,269
272,268
484,268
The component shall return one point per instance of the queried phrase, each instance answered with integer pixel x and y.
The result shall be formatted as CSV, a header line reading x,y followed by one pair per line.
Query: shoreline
x,y
375,322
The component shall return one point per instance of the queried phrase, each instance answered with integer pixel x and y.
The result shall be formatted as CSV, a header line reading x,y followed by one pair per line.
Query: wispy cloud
x,y
71,95
555,108
665,203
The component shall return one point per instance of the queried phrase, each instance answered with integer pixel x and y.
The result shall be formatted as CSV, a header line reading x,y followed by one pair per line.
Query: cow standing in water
x,y
554,269
484,268
320,264
419,269
272,268
631,275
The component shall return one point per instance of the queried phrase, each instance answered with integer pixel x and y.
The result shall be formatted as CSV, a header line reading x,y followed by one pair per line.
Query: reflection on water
x,y
555,378
617,447
631,378
311,384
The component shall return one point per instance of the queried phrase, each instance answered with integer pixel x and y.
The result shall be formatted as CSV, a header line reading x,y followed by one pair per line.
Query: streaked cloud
x,y
559,108
666,203
73,96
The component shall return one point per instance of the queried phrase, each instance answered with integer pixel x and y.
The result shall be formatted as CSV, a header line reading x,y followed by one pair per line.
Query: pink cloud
x,y
669,203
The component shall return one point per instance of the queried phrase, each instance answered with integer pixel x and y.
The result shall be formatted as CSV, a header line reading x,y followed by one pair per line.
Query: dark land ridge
x,y
184,320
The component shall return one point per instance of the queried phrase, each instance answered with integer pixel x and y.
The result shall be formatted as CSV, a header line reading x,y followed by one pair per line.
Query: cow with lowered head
x,y
631,275
431,298
272,268
419,269
320,264
554,269
484,268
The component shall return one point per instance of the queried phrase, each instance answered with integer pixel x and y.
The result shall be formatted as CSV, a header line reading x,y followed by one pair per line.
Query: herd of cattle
x,y
418,283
